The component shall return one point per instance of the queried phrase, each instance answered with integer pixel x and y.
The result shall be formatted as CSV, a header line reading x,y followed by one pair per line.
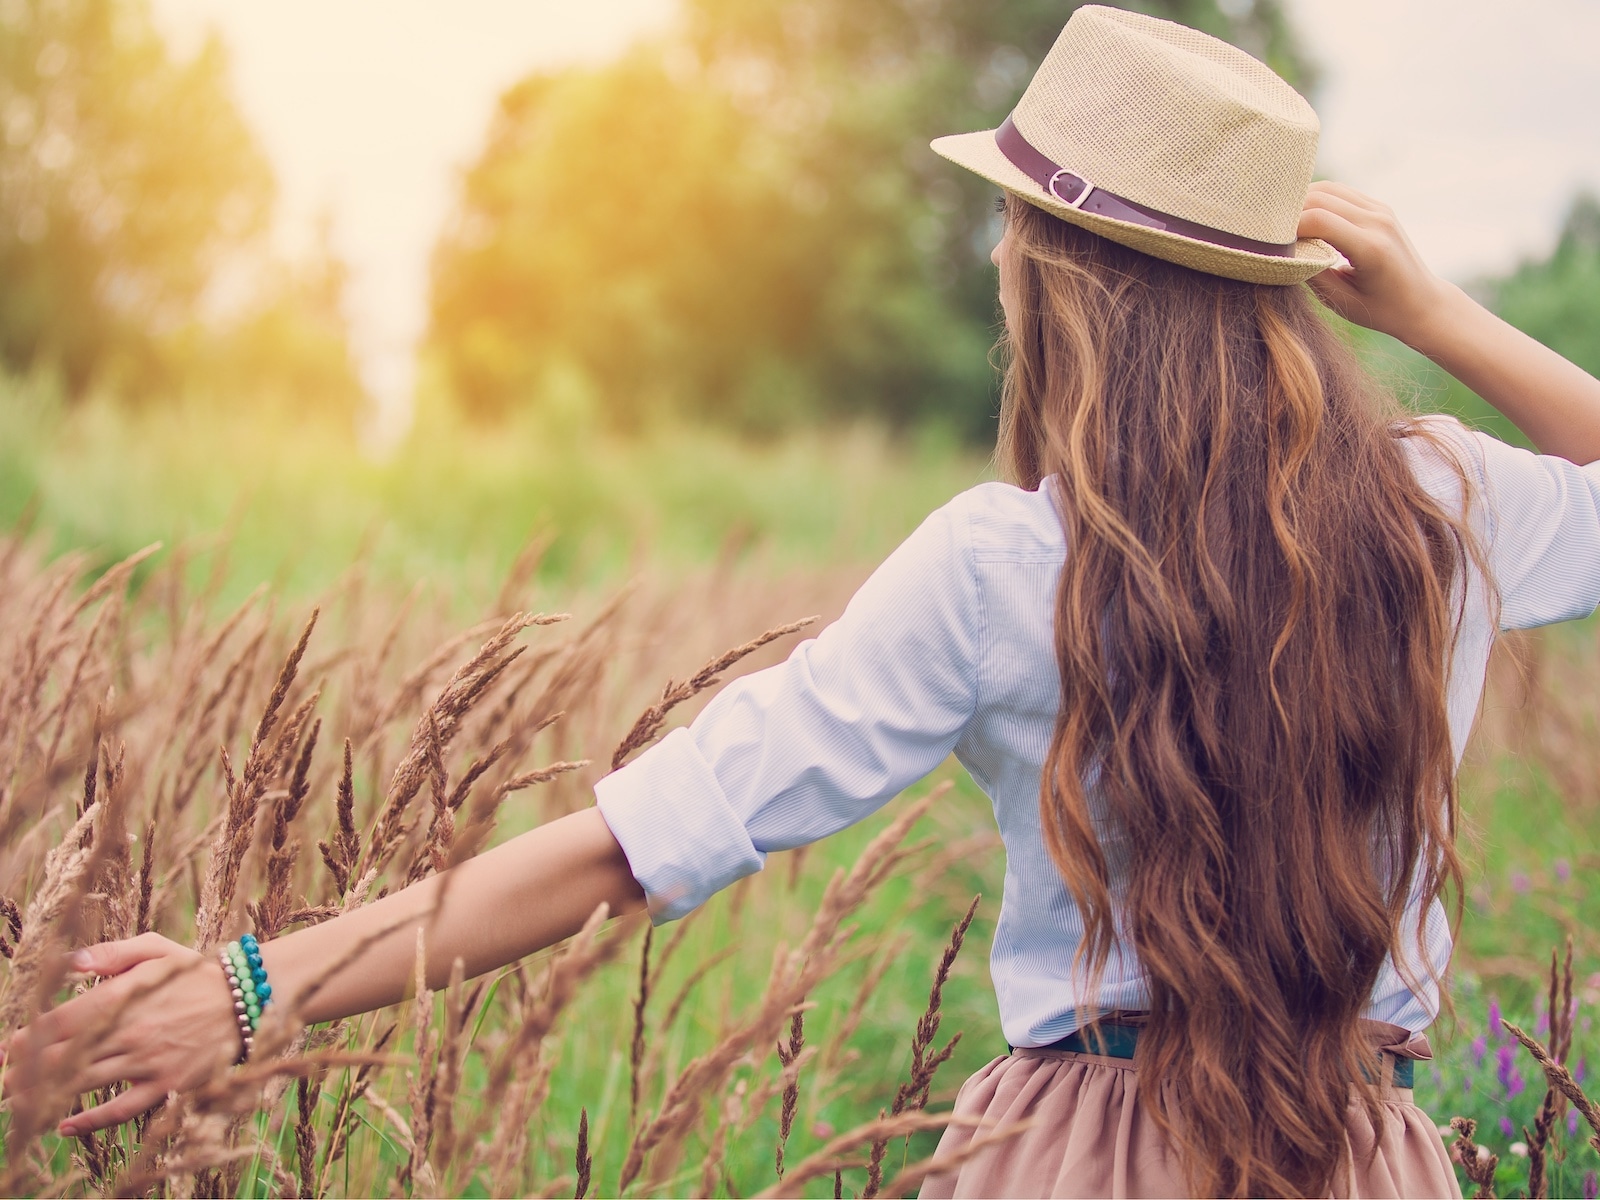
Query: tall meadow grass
x,y
174,757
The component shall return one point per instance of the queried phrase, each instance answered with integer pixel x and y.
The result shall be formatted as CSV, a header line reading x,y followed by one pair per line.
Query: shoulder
x,y
1441,450
1000,522
1453,465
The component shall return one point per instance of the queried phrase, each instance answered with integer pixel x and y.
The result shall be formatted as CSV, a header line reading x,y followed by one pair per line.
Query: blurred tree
x,y
285,348
1557,299
745,222
133,199
123,176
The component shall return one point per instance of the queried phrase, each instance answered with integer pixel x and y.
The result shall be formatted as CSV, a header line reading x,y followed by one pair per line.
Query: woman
x,y
1213,652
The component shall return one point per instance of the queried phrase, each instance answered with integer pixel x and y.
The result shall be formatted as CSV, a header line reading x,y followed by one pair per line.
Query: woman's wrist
x,y
1437,323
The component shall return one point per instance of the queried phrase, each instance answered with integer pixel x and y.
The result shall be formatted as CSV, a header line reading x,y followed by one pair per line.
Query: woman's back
x,y
950,648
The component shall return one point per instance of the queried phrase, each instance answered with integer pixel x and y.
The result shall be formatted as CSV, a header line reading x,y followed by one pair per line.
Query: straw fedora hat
x,y
1166,140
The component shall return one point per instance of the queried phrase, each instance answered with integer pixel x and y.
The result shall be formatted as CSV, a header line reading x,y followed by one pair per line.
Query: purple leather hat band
x,y
1077,192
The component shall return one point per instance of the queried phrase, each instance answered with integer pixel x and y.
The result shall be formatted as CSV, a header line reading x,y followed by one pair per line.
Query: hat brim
x,y
977,152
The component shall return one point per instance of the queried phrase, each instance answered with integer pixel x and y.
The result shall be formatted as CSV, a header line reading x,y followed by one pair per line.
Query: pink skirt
x,y
1089,1137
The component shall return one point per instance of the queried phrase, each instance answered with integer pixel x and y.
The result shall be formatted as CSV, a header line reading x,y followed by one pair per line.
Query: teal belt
x,y
1120,1041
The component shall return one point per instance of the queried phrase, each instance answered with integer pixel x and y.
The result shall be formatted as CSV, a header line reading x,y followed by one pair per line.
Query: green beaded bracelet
x,y
247,982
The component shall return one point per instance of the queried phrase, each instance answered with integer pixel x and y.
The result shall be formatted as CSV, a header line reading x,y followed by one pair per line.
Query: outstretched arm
x,y
1389,288
177,1017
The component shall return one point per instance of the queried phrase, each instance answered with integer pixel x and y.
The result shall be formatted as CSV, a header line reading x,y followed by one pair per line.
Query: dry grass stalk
x,y
416,1170
147,875
64,708
1476,1161
12,915
680,931
913,1094
244,797
410,689
582,1159
686,988
1561,1080
474,834
305,1134
344,851
35,972
789,1056
636,1047
794,975
648,726
272,914
1560,1009
438,727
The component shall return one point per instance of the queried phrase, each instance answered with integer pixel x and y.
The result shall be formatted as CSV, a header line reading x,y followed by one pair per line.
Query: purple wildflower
x,y
1563,870
1581,1071
1480,1047
1496,1029
1466,1083
1507,1128
1508,1066
1520,883
1591,1185
1542,1025
1572,1122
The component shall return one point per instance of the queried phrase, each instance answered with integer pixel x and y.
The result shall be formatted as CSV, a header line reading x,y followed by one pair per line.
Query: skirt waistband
x,y
1114,1039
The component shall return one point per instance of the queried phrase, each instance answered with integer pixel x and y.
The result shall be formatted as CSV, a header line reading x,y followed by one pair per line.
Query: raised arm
x,y
1389,288
178,1022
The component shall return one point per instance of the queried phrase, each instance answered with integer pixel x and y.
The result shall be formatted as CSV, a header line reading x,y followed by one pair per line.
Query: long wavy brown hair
x,y
1254,627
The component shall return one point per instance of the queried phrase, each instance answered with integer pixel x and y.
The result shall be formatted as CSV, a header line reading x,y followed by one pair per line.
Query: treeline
x,y
133,213
743,222
740,223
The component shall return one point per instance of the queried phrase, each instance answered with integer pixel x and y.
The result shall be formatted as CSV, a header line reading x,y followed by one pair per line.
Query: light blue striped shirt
x,y
948,648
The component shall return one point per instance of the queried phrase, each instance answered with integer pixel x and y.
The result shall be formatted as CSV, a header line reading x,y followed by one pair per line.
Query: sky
x,y
1473,118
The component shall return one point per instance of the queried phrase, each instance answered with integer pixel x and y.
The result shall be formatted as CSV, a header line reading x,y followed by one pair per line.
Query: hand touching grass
x,y
160,1019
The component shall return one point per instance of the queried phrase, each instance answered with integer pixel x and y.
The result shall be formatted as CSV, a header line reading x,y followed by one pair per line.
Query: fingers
x,y
1329,187
63,1075
141,1097
94,1009
113,958
1357,214
1338,230
105,1071
56,1038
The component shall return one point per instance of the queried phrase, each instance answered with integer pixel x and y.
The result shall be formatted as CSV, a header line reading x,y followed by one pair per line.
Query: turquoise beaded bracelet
x,y
247,979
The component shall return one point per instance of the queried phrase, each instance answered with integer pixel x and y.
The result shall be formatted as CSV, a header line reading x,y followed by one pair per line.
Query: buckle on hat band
x,y
1076,200
1054,178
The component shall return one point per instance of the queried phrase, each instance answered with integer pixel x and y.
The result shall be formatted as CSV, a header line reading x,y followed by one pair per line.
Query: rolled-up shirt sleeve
x,y
1544,534
788,755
